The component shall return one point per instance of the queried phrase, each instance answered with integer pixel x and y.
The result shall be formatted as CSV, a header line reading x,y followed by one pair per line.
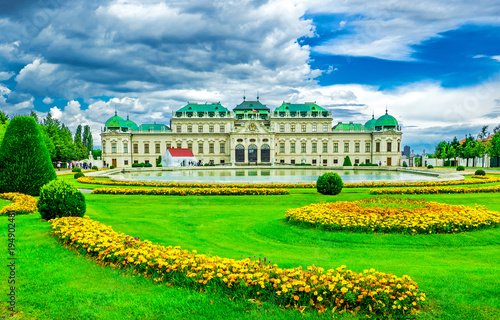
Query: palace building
x,y
254,134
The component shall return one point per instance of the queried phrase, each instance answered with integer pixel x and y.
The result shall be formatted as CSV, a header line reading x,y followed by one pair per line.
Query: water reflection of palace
x,y
253,134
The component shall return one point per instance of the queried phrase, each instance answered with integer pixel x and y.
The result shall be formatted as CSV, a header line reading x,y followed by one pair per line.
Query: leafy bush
x,y
79,175
347,162
111,166
460,168
355,164
329,183
60,199
480,172
76,169
430,166
160,165
95,168
405,165
303,164
148,165
158,162
25,163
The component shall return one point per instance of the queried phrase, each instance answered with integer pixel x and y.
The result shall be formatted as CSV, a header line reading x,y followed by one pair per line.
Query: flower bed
x,y
391,215
437,190
193,191
72,173
371,292
21,203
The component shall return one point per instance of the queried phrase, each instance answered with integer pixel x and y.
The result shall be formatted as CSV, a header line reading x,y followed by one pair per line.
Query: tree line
x,y
61,144
471,147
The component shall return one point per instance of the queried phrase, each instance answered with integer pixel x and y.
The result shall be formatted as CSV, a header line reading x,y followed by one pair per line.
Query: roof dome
x,y
131,124
370,124
386,121
116,122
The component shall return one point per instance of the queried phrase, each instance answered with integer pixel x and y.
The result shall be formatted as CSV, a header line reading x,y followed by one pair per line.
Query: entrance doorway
x,y
113,162
389,161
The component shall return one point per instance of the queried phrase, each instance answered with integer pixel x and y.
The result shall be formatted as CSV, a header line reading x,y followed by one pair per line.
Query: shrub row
x,y
193,191
437,190
372,293
141,165
21,203
405,216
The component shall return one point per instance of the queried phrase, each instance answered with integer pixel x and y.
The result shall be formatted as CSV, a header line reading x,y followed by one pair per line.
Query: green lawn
x,y
458,272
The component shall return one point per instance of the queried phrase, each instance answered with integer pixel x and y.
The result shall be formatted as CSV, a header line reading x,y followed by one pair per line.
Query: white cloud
x,y
5,75
497,58
48,100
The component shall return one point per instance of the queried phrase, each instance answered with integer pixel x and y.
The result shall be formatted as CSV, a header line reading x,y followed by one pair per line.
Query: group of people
x,y
192,163
72,164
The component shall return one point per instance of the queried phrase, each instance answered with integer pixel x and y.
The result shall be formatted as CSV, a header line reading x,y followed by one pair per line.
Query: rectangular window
x,y
136,161
211,147
367,160
222,162
325,128
125,147
169,145
125,162
222,147
303,128
222,128
356,161
146,161
282,147
325,147
356,147
335,161
179,145
314,162
292,161
146,148
314,128
190,128
282,161
303,147
136,148
200,147
282,128
377,147
157,148
211,128
292,147
389,147
335,147
190,146
179,129
367,147
292,128
346,147
325,162
314,147
113,147
399,147
200,128
104,147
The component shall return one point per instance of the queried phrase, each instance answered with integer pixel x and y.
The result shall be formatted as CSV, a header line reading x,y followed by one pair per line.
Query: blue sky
x,y
434,65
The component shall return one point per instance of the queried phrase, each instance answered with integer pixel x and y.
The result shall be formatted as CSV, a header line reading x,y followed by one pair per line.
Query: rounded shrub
x,y
111,166
355,164
405,165
95,168
460,168
430,166
25,163
329,183
347,162
79,175
148,165
60,199
480,172
76,169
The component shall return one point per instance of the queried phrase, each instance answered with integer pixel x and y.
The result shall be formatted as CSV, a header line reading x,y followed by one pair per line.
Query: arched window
x,y
240,153
252,153
265,153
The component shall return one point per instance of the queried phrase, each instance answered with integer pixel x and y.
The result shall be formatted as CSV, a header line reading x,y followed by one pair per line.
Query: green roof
x,y
347,127
207,107
386,121
154,127
303,107
250,106
370,124
131,124
116,122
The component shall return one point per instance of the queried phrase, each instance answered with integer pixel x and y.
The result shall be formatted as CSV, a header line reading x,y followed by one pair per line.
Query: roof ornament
x,y
386,108
257,95
244,98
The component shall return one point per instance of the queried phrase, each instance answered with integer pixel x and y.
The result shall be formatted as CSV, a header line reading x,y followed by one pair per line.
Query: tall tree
x,y
494,146
78,134
34,116
87,138
3,117
484,133
441,149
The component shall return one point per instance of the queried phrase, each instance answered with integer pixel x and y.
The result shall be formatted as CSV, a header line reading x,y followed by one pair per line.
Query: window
x,y
169,145
146,148
125,162
303,147
292,147
104,147
335,147
222,128
314,162
282,147
200,147
282,161
146,161
314,147
292,161
377,147
136,161
292,128
356,147
211,147
157,148
211,128
325,162
367,147
389,147
113,147
335,161
125,147
367,160
346,147
136,148
222,147
303,128
200,128
222,162
190,128
282,128
325,128
399,147
356,161
314,128
179,129
190,146
325,147
179,145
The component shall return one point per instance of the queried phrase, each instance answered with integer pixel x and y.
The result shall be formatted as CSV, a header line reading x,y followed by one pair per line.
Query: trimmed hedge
x,y
58,199
25,163
460,168
329,183
79,175
480,172
76,169
347,162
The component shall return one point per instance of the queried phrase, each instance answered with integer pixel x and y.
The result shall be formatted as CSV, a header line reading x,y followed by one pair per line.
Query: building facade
x,y
253,134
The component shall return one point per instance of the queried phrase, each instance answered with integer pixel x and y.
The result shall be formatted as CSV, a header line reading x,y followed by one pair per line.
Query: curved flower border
x,y
437,190
21,203
193,192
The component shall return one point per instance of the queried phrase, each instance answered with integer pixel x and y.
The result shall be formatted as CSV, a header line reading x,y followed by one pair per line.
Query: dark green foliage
x,y
158,161
25,163
355,164
79,175
430,166
87,138
480,172
95,168
329,183
59,198
111,166
76,169
160,165
148,165
347,162
139,165
460,168
405,165
303,164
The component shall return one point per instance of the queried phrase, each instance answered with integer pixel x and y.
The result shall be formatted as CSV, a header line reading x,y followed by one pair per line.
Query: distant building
x,y
406,151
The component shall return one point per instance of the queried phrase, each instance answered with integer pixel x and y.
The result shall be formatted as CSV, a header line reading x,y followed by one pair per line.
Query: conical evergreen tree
x,y
25,163
347,162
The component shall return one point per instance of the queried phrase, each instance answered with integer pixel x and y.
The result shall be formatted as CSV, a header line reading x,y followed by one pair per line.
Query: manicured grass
x,y
458,272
